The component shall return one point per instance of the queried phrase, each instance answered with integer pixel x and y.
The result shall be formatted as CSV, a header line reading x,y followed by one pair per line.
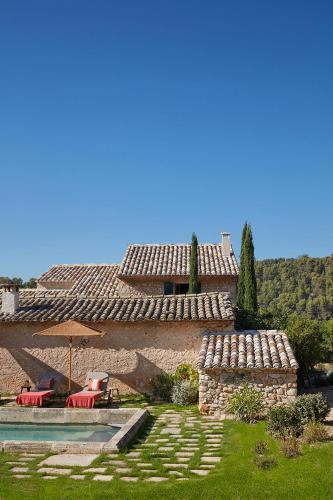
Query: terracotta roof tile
x,y
39,305
246,349
174,260
89,279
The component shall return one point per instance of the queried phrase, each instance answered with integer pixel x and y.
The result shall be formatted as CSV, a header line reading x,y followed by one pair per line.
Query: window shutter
x,y
168,288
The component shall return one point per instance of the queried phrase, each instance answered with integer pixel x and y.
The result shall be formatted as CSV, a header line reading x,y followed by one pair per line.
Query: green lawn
x,y
307,476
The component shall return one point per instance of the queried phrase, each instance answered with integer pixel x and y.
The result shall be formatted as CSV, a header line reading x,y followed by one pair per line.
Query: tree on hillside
x,y
193,282
32,283
303,285
247,284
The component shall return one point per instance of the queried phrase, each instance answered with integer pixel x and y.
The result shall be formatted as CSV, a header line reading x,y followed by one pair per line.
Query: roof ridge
x,y
86,265
169,244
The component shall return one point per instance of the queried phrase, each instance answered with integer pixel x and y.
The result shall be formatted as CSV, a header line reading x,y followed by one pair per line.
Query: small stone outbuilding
x,y
261,358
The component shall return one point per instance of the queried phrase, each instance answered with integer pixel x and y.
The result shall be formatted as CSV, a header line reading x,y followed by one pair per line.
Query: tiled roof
x,y
174,260
248,349
88,279
39,305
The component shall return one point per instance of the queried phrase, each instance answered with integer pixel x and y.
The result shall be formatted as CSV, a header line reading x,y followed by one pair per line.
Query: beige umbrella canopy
x,y
71,329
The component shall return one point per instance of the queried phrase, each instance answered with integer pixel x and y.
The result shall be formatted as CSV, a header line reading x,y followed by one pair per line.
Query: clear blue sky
x,y
139,121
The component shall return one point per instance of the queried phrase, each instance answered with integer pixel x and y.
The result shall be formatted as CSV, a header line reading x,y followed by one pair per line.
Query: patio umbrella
x,y
70,329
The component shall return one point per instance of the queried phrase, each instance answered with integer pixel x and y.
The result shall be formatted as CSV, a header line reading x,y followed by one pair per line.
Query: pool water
x,y
57,432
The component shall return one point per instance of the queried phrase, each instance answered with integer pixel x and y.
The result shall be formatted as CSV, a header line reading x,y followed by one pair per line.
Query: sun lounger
x,y
45,388
95,388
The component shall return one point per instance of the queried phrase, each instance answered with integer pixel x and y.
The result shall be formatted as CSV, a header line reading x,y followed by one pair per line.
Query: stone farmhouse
x,y
152,324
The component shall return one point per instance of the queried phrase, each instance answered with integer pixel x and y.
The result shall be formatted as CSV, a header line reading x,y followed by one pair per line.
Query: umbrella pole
x,y
70,364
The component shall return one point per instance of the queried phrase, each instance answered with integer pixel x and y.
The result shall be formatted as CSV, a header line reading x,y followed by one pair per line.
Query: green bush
x,y
162,385
187,372
313,432
265,463
246,404
284,422
290,447
260,447
184,393
312,407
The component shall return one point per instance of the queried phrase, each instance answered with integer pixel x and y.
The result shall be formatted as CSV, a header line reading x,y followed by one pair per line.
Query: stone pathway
x,y
178,445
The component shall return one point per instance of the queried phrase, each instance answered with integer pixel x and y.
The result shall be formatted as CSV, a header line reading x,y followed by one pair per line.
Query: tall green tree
x,y
247,284
241,277
193,282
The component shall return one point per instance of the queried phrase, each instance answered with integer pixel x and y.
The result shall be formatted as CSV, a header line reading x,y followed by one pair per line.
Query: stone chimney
x,y
10,298
226,245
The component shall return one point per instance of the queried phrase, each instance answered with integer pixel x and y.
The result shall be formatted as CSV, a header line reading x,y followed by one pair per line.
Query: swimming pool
x,y
71,430
57,432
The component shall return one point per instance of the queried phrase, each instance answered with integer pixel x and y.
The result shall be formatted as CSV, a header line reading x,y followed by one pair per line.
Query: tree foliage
x,y
31,283
303,286
193,281
247,285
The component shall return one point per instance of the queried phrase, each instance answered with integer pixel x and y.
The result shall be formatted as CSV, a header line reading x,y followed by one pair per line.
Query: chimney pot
x,y
10,298
226,244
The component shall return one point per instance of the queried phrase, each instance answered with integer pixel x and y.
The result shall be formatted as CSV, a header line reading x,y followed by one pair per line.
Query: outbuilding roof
x,y
39,305
86,279
174,260
246,349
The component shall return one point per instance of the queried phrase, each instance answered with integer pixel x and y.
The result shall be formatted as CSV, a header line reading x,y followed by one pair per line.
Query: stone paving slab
x,y
78,477
129,479
99,477
210,460
156,479
200,472
54,470
123,470
100,470
20,469
79,460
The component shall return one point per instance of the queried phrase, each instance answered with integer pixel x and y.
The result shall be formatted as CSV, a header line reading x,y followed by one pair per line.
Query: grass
x,y
236,477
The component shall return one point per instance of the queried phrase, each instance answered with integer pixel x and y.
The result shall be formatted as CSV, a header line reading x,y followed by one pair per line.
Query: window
x,y
181,288
168,288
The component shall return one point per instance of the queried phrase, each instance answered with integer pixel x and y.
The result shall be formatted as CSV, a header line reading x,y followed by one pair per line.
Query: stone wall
x,y
132,352
215,386
140,287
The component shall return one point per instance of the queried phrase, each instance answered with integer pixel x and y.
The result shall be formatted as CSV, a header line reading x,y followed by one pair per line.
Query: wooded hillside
x,y
302,285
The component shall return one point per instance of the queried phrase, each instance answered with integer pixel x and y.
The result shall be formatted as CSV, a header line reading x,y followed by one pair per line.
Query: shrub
x,y
284,422
290,447
162,385
312,407
265,463
246,404
184,393
314,431
187,372
260,447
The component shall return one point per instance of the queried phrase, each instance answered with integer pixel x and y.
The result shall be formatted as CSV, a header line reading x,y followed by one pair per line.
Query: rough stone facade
x,y
133,352
145,287
278,387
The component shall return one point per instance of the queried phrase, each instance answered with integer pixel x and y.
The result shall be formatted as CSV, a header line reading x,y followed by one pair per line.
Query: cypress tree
x,y
241,277
250,285
247,283
193,282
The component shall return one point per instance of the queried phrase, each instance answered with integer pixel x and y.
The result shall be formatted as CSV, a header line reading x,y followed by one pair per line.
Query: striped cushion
x,y
95,384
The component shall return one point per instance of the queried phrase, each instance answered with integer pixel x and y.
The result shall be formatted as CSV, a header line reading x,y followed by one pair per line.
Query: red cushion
x,y
95,384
